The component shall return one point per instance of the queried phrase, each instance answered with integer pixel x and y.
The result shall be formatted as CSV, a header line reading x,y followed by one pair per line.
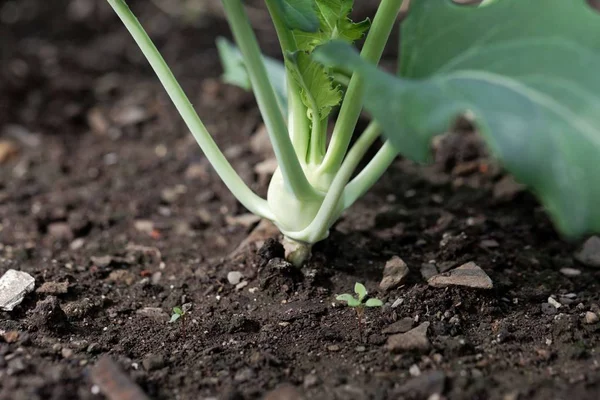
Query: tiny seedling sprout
x,y
359,302
179,313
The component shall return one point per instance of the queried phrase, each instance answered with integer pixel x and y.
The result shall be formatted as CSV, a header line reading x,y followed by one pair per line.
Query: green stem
x,y
370,174
330,208
318,135
298,123
292,172
377,38
231,179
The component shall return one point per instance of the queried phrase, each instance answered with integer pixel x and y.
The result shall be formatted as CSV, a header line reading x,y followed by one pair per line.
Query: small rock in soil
x,y
60,231
415,339
153,362
554,302
469,274
48,315
244,375
53,288
66,352
394,272
333,348
14,285
101,261
428,270
589,254
402,326
8,150
549,309
311,380
121,276
10,336
590,317
113,382
284,392
154,313
234,277
397,303
425,385
570,272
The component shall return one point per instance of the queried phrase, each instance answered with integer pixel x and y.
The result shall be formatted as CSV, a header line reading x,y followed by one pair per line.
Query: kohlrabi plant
x,y
359,302
525,71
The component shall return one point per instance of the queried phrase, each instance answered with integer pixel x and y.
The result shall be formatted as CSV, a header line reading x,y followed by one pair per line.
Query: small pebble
x,y
590,317
333,348
570,272
234,277
553,301
548,309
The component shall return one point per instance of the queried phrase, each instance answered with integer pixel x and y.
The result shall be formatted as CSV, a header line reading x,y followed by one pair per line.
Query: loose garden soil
x,y
102,187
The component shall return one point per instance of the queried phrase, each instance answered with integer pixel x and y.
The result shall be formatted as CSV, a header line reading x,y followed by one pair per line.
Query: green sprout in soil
x,y
359,302
180,313
523,71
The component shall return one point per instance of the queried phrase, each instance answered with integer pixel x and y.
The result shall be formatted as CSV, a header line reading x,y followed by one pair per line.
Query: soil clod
x,y
470,275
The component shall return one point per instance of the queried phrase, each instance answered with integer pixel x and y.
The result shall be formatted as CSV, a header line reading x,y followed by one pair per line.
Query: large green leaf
x,y
526,71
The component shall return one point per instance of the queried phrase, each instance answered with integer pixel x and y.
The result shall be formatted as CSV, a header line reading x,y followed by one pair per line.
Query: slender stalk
x,y
317,140
292,172
298,123
370,174
377,38
236,185
331,204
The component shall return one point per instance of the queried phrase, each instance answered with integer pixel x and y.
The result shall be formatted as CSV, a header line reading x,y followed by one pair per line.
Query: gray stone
x,y
402,326
235,277
589,254
394,272
153,362
469,274
415,339
570,272
590,318
14,285
428,270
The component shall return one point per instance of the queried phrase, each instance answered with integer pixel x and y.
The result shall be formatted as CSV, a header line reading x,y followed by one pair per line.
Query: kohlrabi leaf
x,y
374,303
235,72
360,290
318,91
299,14
526,72
349,299
334,23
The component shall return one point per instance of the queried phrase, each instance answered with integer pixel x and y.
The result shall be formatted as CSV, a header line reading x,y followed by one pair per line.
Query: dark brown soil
x,y
108,192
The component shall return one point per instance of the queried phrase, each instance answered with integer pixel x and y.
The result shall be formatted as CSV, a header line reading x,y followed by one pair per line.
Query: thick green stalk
x,y
370,174
377,38
293,175
298,123
231,179
331,207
